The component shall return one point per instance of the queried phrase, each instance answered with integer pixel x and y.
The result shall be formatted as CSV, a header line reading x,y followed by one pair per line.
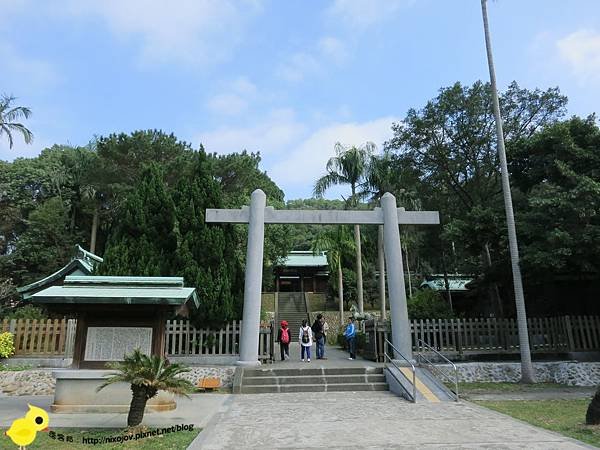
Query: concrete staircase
x,y
291,307
318,379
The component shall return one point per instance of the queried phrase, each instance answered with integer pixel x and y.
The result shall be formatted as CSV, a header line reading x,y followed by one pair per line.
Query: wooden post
x,y
569,330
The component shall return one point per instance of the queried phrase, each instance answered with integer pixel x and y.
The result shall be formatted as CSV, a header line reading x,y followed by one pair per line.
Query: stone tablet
x,y
111,343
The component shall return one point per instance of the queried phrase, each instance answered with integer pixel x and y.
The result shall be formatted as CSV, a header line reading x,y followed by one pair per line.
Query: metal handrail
x,y
429,347
414,370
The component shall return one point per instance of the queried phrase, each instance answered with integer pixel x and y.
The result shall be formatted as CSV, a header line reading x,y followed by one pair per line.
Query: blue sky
x,y
286,78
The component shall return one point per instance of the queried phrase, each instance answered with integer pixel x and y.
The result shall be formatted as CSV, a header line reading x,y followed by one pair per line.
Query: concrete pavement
x,y
372,420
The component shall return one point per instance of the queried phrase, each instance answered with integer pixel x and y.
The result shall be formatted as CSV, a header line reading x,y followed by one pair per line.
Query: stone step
x,y
325,371
339,387
315,379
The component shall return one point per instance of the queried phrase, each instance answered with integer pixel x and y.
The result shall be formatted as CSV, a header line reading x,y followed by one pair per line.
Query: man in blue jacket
x,y
350,335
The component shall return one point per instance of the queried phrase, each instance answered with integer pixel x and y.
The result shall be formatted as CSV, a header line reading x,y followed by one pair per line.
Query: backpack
x,y
285,336
305,336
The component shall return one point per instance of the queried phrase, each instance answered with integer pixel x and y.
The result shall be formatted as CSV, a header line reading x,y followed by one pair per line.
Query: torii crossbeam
x,y
258,214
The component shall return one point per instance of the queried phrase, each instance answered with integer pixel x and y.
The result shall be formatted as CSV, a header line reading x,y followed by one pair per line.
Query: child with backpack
x,y
284,337
306,340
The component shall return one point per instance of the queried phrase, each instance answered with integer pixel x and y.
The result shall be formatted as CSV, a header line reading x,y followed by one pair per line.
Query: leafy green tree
x,y
558,171
10,117
450,144
428,304
349,166
144,241
45,246
147,375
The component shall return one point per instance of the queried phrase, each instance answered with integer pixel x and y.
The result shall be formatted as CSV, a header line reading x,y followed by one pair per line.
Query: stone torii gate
x,y
258,214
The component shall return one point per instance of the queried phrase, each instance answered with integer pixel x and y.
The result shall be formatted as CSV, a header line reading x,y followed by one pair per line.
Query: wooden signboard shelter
x,y
116,315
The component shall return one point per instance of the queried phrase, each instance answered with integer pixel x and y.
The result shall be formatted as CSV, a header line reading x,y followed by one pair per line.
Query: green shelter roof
x,y
118,290
437,283
305,259
82,263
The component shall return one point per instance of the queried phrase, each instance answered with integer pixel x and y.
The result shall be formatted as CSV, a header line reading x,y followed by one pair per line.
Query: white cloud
x,y
326,51
198,32
294,152
333,48
25,71
581,51
235,100
273,134
365,13
304,162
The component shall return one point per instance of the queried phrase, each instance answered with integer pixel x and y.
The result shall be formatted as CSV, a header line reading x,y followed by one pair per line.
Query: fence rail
x,y
183,339
461,337
51,337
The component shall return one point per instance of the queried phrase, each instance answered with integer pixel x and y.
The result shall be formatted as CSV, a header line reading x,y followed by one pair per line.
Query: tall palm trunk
x,y
359,280
138,405
94,229
341,292
381,268
527,372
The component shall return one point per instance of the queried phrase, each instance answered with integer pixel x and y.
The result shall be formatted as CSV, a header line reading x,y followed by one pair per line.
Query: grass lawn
x,y
566,417
493,388
172,440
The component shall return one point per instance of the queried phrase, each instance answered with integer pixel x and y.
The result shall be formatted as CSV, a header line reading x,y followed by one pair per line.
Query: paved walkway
x,y
366,420
198,410
336,357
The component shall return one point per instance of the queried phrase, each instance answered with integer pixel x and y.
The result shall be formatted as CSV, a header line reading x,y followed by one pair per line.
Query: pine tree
x,y
145,239
205,256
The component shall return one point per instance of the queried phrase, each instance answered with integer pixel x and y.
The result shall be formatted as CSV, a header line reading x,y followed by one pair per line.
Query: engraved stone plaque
x,y
111,343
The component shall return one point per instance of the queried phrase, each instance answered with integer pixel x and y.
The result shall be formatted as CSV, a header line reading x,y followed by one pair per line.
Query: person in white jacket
x,y
306,340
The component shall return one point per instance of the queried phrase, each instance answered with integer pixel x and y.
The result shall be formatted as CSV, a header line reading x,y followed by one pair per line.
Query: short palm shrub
x,y
147,375
7,344
592,416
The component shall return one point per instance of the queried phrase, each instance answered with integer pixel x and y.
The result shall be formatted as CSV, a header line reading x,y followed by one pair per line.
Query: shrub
x,y
25,312
7,345
428,304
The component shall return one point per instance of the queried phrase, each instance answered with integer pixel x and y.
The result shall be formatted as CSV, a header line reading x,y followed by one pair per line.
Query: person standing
x,y
306,340
284,337
319,333
350,335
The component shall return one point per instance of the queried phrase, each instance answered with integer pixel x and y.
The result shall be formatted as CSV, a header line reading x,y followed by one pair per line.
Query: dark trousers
x,y
305,349
352,347
320,347
285,350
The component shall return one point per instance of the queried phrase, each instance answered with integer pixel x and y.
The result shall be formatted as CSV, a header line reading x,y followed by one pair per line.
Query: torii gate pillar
x,y
253,280
395,275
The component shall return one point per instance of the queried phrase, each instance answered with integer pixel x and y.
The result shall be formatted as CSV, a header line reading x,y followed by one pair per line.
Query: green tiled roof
x,y
305,259
454,283
83,263
119,290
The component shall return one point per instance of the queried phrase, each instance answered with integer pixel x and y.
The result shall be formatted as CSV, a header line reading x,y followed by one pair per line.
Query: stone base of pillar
x,y
248,363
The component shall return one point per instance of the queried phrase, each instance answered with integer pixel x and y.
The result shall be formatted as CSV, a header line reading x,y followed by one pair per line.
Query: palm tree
x,y
147,375
592,416
380,179
349,166
9,116
336,242
527,373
